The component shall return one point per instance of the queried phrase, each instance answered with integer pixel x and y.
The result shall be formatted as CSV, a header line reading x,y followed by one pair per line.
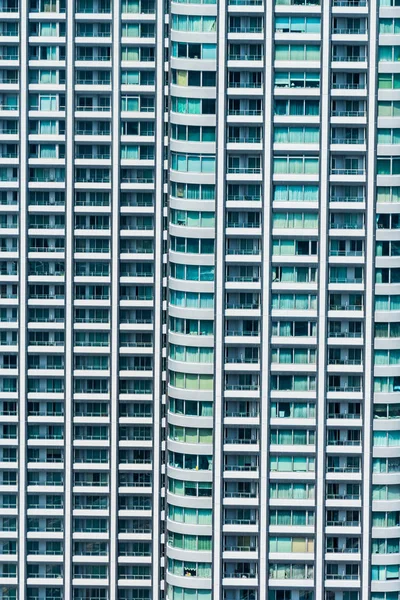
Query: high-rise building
x,y
199,300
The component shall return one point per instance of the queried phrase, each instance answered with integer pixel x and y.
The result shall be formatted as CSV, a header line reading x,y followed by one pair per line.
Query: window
x,y
192,218
193,106
299,165
191,354
191,50
296,135
295,193
297,24
191,299
389,53
193,23
297,52
193,191
297,79
387,194
191,245
191,272
192,133
191,381
193,78
388,81
193,163
288,220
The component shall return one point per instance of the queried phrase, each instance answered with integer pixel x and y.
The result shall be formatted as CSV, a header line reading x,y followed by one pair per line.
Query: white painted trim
x,y
266,301
219,305
22,341
322,301
158,282
115,227
369,305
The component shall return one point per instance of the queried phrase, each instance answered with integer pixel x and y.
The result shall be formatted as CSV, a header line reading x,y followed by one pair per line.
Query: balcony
x,y
240,548
243,198
245,2
241,468
240,441
343,496
348,86
349,3
345,306
244,170
244,140
345,361
344,388
345,280
342,523
238,333
344,442
249,414
341,577
242,225
347,199
245,29
242,279
344,140
348,113
343,469
243,251
241,360
349,31
244,112
240,388
340,171
240,495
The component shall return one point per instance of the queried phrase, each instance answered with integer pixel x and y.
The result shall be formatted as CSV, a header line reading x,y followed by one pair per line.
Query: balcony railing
x,y
344,416
243,198
233,332
245,2
349,31
245,29
346,307
344,469
349,58
348,113
245,170
241,495
343,523
339,171
242,305
344,442
238,225
345,361
345,280
244,140
346,253
243,278
241,468
343,497
240,441
347,199
243,251
348,86
345,334
241,414
244,112
353,3
344,388
340,140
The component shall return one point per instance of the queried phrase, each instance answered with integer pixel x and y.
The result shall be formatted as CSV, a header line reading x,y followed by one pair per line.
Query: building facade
x,y
199,300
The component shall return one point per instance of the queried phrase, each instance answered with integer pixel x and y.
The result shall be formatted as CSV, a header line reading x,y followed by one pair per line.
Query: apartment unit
x,y
199,300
